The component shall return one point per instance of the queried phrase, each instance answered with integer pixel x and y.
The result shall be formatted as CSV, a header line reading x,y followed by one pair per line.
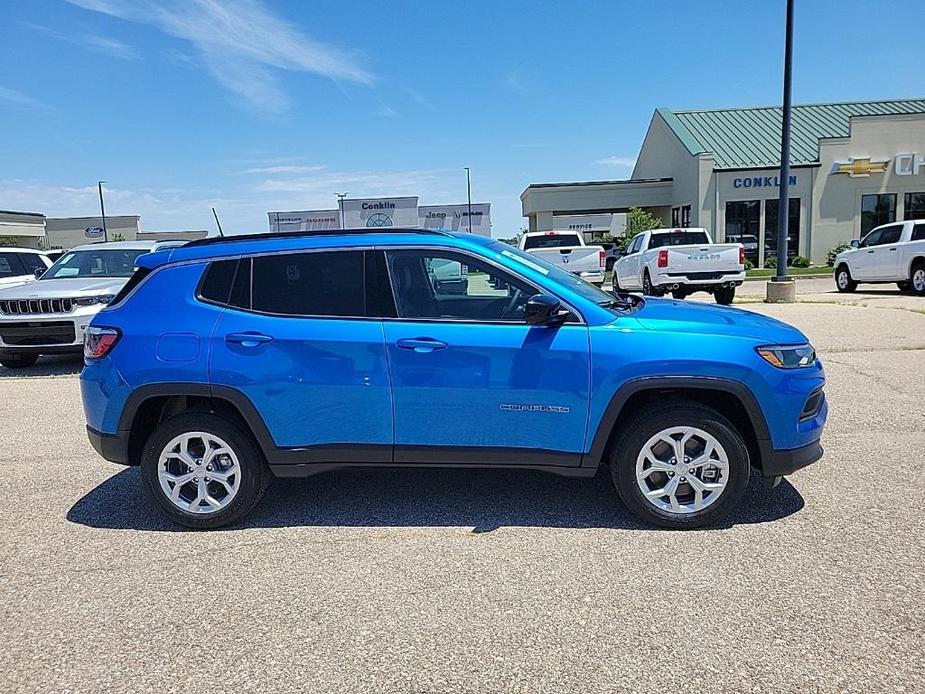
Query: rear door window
x,y
329,283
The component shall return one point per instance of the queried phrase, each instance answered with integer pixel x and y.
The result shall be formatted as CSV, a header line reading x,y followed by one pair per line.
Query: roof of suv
x,y
117,245
232,246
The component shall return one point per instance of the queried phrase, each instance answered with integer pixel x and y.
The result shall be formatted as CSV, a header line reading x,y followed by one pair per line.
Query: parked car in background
x,y
681,261
612,253
568,250
55,253
889,253
230,360
49,316
20,265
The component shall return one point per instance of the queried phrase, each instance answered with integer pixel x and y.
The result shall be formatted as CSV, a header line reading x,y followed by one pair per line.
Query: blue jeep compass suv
x,y
227,360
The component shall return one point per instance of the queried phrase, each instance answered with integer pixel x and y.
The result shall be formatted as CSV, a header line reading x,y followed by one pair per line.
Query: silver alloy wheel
x,y
918,279
843,279
682,470
199,472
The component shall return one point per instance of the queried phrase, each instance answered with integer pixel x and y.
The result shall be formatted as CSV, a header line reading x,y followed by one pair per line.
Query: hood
x,y
65,287
691,317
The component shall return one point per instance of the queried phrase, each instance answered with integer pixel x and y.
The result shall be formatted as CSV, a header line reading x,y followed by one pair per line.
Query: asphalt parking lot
x,y
491,581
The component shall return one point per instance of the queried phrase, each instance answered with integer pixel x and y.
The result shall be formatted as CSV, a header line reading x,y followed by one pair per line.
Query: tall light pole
x,y
340,208
469,195
783,202
99,185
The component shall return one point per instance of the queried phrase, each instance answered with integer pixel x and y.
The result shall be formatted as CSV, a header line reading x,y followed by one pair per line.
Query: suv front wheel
x,y
679,465
203,471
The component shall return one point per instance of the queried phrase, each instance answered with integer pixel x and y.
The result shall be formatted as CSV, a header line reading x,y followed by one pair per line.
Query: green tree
x,y
117,237
638,220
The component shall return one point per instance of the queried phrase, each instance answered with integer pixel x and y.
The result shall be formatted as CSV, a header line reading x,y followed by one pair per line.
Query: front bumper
x,y
776,463
45,333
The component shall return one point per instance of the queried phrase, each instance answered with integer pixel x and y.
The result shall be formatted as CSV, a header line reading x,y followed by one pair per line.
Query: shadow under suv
x,y
226,361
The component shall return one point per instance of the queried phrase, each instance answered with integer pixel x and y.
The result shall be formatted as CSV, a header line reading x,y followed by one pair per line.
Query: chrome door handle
x,y
422,345
247,339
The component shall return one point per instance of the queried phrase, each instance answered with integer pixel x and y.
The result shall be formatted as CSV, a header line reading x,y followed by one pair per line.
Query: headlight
x,y
94,300
795,357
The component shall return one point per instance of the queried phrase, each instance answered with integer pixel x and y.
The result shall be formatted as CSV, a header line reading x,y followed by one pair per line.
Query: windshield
x,y
551,241
557,274
95,263
678,238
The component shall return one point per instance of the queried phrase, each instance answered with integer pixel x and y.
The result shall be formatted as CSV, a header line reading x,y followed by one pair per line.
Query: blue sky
x,y
254,106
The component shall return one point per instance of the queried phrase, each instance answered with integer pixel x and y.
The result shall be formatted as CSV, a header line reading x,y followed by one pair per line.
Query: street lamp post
x,y
99,185
783,203
340,208
469,197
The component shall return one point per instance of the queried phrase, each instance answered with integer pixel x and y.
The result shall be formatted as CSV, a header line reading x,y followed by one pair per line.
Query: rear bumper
x,y
712,280
112,447
776,463
594,276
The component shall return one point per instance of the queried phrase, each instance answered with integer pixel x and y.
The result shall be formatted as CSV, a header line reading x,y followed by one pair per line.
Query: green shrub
x,y
770,262
832,252
800,261
749,265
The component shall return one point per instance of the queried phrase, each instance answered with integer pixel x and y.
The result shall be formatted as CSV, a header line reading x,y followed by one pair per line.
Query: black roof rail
x,y
267,235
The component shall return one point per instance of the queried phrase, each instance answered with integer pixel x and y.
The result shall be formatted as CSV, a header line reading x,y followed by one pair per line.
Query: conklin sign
x,y
760,182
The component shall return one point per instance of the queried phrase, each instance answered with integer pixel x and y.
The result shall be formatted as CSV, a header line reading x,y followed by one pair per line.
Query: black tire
x,y
843,281
255,475
679,294
724,295
18,361
609,264
646,423
917,278
904,286
647,288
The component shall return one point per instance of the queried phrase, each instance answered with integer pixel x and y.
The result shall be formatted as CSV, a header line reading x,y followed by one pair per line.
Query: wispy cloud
x,y
282,169
17,98
514,79
242,43
426,182
625,162
387,112
419,98
90,42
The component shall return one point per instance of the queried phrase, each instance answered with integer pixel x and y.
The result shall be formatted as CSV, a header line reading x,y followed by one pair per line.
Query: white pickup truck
x,y
568,250
681,261
889,253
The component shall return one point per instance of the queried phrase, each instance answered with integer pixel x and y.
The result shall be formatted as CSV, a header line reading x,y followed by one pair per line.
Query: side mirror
x,y
542,309
855,243
39,272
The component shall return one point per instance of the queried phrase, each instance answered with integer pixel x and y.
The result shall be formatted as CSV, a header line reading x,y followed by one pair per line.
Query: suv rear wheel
x,y
18,361
203,471
679,465
724,295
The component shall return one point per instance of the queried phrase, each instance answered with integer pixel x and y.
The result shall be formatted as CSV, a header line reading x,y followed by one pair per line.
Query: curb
x,y
796,277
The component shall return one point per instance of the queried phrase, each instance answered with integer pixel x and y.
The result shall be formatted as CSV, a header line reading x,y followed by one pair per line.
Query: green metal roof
x,y
750,137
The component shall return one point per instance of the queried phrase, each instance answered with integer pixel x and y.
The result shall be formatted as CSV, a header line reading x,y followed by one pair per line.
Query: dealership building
x,y
853,166
387,212
35,230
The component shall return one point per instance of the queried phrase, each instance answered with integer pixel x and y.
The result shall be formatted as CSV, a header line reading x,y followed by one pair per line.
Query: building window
x,y
686,216
742,226
770,228
914,206
877,210
675,216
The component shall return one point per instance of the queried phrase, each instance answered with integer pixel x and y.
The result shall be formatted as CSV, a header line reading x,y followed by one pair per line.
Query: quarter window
x,y
216,283
876,210
918,232
309,284
451,286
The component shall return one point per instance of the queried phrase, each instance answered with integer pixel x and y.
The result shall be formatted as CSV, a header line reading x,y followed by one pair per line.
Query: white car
x,y
48,316
681,261
889,253
567,250
20,265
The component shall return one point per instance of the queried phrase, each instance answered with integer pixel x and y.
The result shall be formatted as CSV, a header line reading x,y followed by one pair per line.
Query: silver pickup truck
x,y
567,249
681,261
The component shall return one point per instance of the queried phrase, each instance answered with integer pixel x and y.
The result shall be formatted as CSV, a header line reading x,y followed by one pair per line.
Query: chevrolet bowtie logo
x,y
860,167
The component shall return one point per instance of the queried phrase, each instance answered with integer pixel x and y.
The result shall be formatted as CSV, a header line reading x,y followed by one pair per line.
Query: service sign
x,y
584,223
310,220
456,217
380,212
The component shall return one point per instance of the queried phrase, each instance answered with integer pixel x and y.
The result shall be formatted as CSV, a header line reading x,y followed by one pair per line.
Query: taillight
x,y
741,255
601,257
663,258
98,342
